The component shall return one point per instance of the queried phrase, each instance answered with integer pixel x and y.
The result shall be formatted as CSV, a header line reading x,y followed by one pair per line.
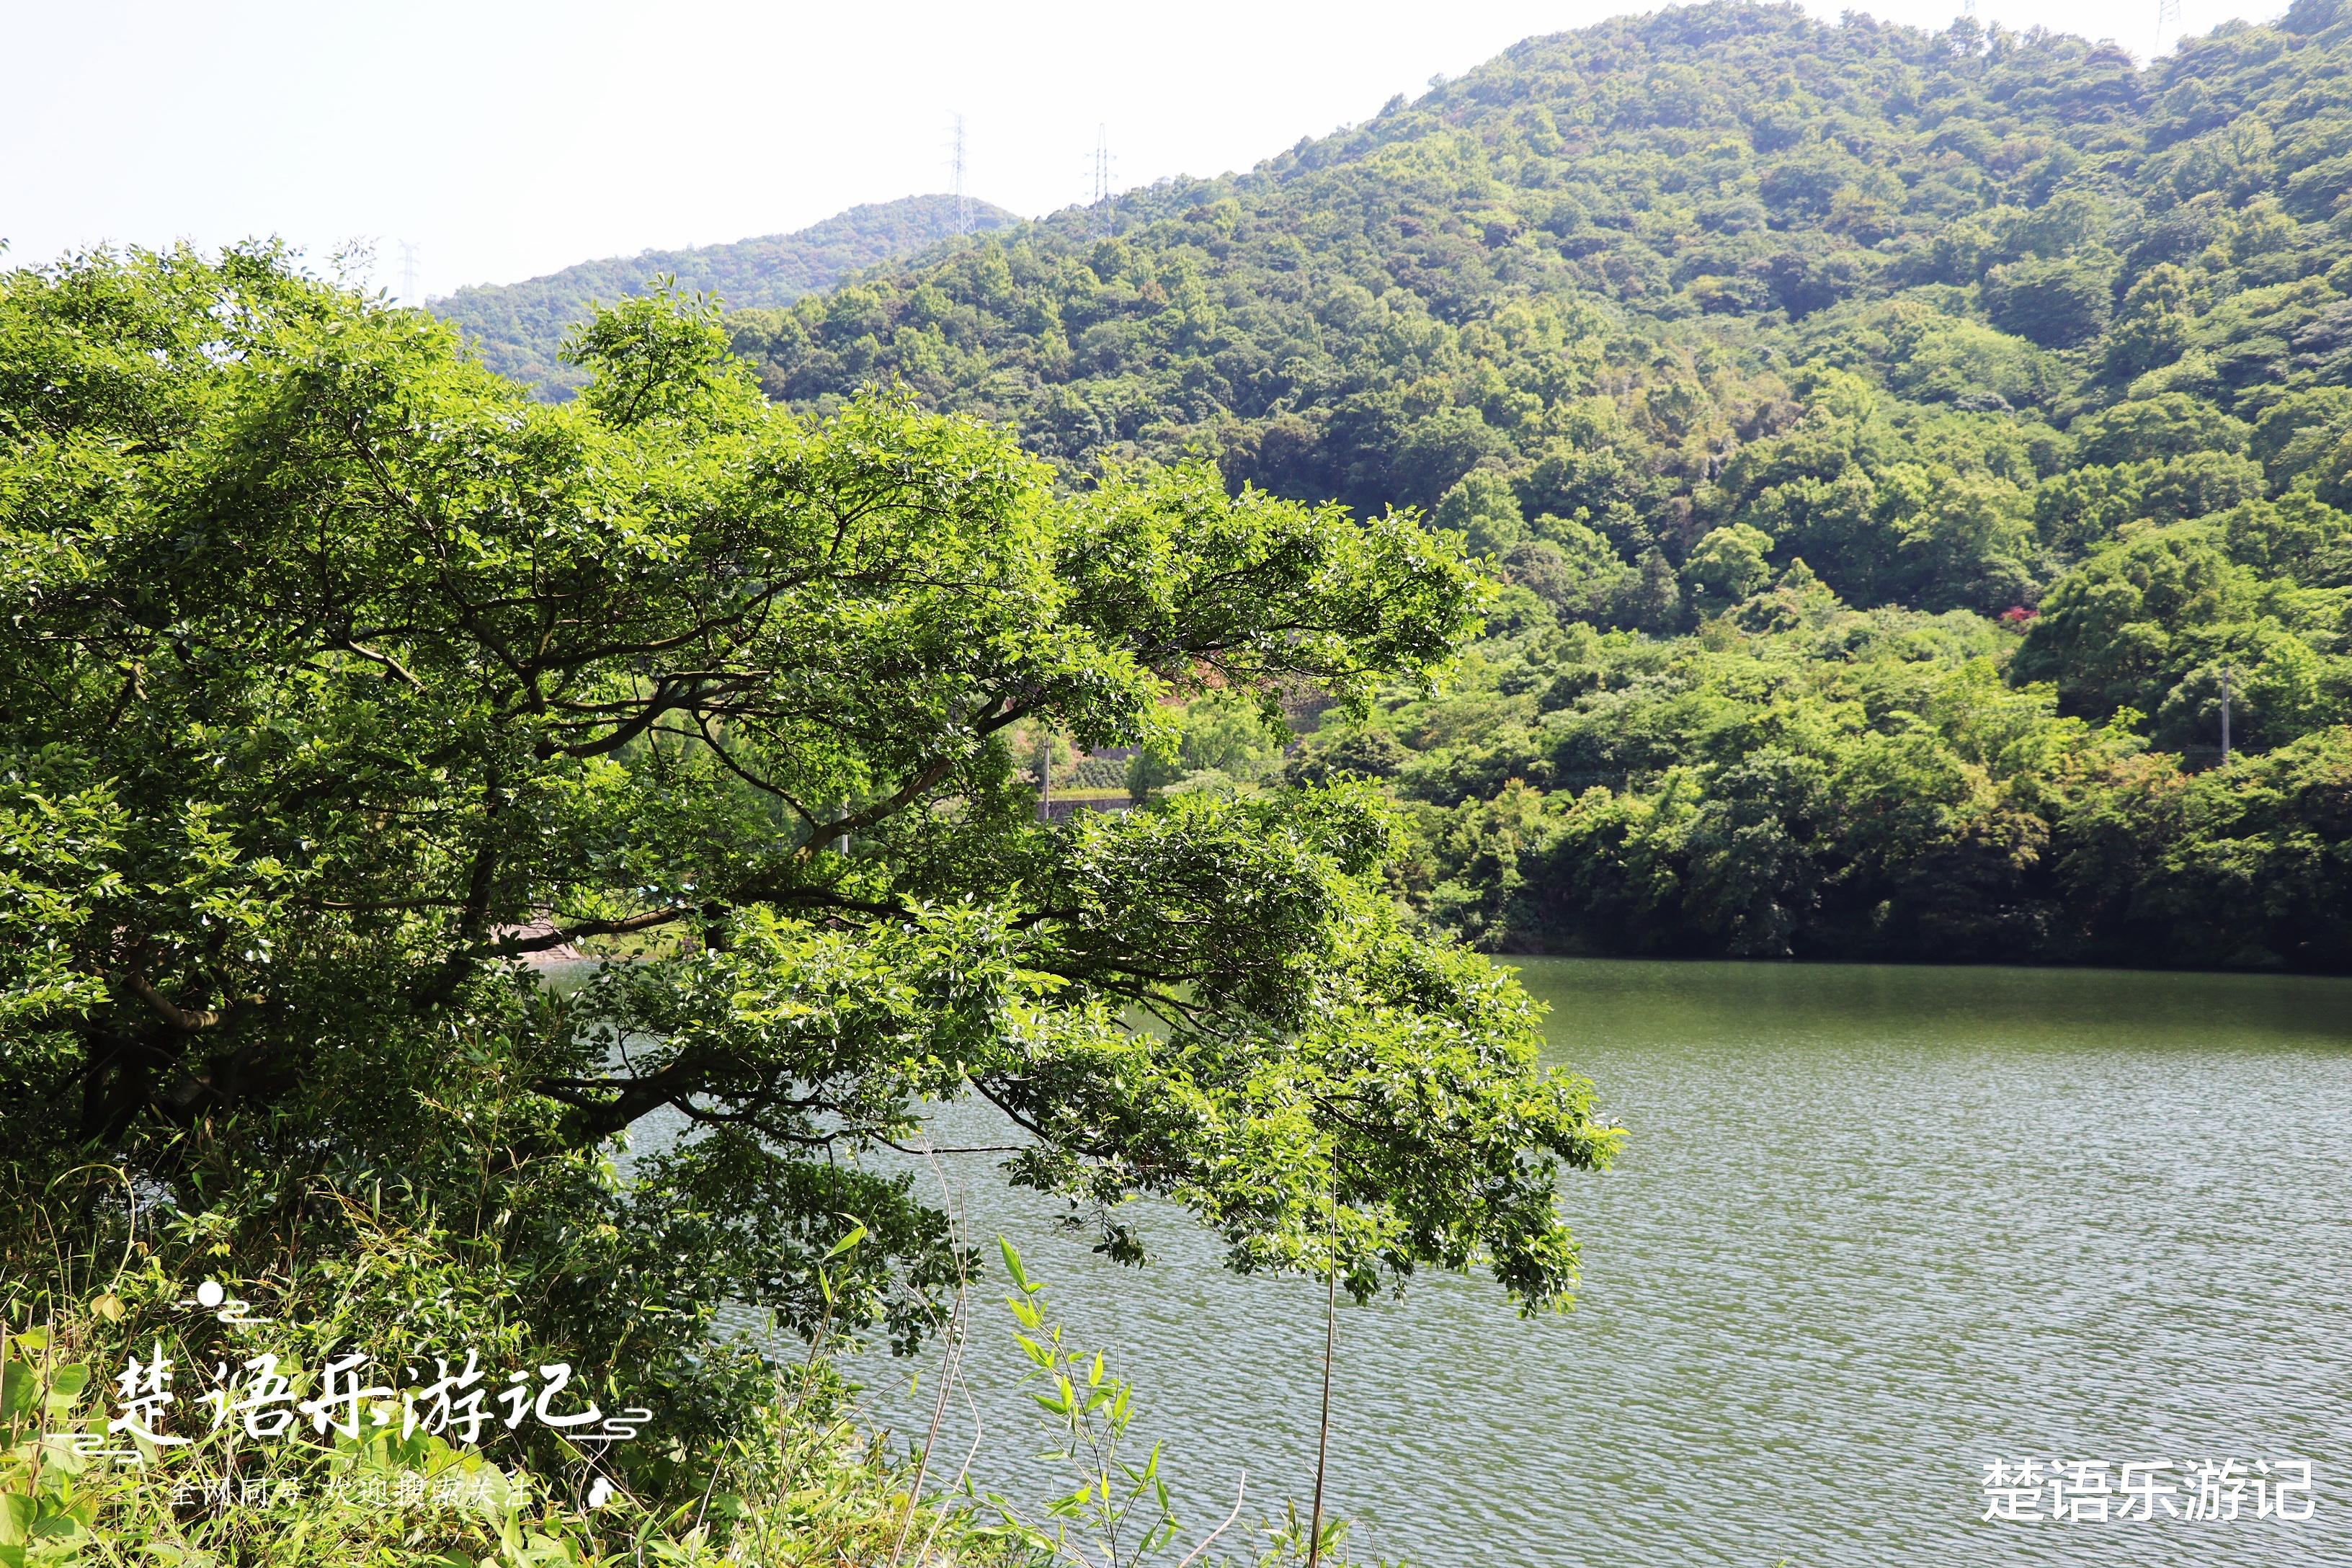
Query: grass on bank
x,y
815,1484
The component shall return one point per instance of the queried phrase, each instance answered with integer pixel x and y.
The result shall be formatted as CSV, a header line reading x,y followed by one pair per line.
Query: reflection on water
x,y
1875,1227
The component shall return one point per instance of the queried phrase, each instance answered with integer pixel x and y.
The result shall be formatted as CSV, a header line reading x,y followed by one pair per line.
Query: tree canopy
x,y
338,678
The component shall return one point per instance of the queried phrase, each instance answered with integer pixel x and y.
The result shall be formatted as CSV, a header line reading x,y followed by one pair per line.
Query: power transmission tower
x,y
963,201
408,293
1098,167
2168,15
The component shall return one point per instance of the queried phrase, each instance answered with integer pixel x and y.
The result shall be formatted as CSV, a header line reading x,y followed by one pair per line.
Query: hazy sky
x,y
506,137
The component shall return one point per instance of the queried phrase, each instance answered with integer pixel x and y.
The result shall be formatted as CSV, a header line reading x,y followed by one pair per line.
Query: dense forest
x,y
1892,449
518,328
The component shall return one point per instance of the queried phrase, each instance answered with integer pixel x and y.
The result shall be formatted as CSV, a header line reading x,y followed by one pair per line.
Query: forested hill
x,y
1895,443
521,325
1671,213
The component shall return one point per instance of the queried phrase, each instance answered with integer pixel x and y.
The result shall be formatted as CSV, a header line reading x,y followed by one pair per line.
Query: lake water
x,y
1875,1228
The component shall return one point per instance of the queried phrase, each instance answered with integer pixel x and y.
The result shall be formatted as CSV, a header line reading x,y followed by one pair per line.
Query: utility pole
x,y
2225,715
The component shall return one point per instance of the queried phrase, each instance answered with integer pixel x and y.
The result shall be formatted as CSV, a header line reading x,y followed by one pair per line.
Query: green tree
x,y
1225,733
2157,322
2152,429
2109,634
1726,567
1655,602
338,680
1153,768
2058,304
1482,508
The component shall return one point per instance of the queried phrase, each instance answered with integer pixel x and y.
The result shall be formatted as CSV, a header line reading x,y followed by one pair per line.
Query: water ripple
x,y
1876,1227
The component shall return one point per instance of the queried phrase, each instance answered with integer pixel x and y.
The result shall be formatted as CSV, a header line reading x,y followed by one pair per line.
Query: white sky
x,y
508,138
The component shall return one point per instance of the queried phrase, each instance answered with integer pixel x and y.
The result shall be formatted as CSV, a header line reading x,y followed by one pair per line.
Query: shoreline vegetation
x,y
807,1482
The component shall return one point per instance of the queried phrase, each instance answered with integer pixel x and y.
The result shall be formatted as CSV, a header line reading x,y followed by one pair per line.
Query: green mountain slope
x,y
1894,445
521,325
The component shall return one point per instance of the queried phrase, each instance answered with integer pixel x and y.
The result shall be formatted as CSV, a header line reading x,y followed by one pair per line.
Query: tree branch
x,y
385,660
515,947
164,1007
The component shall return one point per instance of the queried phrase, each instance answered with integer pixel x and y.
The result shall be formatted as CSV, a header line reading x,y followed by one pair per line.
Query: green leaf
x,y
1012,1268
16,1513
18,1386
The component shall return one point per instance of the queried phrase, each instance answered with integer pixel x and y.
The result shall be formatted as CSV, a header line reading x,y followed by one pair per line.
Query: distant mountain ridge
x,y
520,326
